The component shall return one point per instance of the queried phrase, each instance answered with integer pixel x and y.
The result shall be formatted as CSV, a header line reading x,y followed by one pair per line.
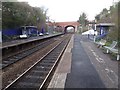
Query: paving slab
x,y
83,74
22,41
106,67
83,65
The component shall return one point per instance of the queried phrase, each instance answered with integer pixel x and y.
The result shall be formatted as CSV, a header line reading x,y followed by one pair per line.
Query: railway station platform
x,y
22,41
83,65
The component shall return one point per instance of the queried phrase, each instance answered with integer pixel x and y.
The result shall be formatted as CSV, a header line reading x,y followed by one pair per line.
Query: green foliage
x,y
111,16
119,25
97,17
113,34
0,15
9,0
83,22
83,19
104,16
16,14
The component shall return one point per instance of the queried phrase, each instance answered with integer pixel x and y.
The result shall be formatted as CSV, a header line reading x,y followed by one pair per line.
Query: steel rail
x,y
43,83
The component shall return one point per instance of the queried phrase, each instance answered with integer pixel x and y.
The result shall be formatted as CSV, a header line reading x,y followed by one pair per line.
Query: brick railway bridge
x,y
64,25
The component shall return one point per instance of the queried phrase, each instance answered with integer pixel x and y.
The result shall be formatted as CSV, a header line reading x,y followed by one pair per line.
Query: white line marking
x,y
97,59
95,54
110,79
101,60
107,70
116,76
111,72
92,50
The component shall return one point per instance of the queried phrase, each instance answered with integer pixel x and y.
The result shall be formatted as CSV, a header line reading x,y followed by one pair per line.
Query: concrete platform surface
x,y
83,65
64,67
22,41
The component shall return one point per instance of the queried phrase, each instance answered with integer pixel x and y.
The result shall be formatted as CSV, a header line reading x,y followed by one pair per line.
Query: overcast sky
x,y
70,10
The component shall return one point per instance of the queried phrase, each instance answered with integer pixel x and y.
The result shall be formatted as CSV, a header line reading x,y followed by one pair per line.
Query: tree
x,y
83,19
103,16
111,16
97,17
9,0
16,14
0,15
113,34
83,22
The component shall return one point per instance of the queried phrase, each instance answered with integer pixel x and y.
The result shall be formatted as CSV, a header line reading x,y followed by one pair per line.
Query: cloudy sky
x,y
70,10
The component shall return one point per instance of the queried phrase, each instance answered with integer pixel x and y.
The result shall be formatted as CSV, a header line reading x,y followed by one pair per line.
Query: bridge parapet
x,y
64,25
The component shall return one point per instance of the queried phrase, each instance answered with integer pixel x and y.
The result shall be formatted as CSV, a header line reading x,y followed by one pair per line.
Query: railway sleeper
x,y
44,67
34,77
55,53
48,61
52,56
41,67
12,59
16,57
19,55
6,62
3,65
9,61
27,85
23,55
38,71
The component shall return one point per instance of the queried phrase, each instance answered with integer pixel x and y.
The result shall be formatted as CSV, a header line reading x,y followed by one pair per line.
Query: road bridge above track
x,y
65,25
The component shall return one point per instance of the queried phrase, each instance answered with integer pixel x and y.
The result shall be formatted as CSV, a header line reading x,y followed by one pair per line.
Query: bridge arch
x,y
66,31
62,26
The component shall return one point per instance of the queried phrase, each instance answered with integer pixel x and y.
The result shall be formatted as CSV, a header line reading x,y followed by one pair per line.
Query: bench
x,y
101,43
112,49
116,52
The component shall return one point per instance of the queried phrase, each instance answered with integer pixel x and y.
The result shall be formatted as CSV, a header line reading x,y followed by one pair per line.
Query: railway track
x,y
19,56
37,75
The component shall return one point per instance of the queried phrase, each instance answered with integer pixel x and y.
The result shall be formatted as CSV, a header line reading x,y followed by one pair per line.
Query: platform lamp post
x,y
94,30
37,25
53,25
48,26
0,25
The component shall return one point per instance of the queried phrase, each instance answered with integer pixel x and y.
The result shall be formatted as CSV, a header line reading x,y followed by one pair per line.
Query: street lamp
x,y
94,30
38,19
53,24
